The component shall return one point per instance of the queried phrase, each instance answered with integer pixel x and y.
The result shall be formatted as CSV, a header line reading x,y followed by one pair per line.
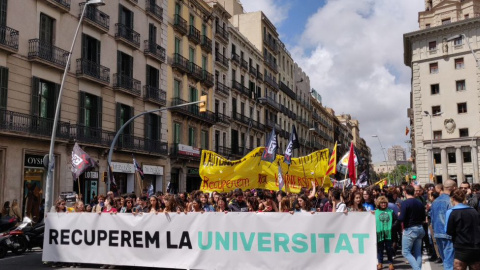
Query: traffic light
x,y
203,103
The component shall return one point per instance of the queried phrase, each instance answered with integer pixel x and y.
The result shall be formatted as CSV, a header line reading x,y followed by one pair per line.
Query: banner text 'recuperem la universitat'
x,y
214,240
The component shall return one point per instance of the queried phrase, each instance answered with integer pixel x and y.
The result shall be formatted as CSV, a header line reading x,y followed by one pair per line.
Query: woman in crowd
x,y
463,225
128,208
252,204
221,205
108,208
328,206
268,204
356,203
303,204
385,220
88,208
153,205
284,206
205,205
337,203
169,202
368,200
79,207
60,206
196,206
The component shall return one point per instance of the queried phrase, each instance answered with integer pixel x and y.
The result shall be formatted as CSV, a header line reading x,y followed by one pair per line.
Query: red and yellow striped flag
x,y
332,165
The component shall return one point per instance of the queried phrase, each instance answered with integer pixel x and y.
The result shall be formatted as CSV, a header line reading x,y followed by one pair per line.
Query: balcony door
x,y
91,56
46,36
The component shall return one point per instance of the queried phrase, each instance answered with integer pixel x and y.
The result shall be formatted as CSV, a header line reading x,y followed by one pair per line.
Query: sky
x,y
352,50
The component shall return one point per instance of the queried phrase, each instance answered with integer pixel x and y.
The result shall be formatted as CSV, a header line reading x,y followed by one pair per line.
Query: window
x,y
446,21
460,85
178,45
44,98
438,158
152,130
124,67
467,156
204,139
47,26
177,129
462,107
437,134
3,87
435,89
458,41
436,109
191,54
153,78
176,88
191,136
427,25
463,132
90,110
91,52
451,157
432,45
459,63
433,68
152,34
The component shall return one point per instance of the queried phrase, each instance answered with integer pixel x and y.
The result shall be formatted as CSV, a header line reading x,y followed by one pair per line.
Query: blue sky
x,y
352,50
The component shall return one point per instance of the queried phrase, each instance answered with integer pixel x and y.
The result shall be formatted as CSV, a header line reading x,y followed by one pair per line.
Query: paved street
x,y
33,260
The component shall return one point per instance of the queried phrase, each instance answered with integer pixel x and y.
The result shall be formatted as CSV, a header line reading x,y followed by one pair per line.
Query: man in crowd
x,y
437,213
238,204
98,208
412,214
472,199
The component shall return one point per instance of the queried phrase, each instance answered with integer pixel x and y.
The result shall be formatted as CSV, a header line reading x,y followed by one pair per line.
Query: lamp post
x,y
426,113
384,156
51,159
468,43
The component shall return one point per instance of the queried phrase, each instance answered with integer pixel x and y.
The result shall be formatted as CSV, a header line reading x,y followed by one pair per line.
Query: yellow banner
x,y
223,175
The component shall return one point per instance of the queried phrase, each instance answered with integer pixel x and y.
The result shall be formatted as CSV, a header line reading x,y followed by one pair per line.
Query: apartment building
x,y
303,110
322,123
116,70
443,100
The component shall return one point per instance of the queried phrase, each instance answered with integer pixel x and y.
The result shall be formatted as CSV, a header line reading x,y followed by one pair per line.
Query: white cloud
x,y
353,52
276,13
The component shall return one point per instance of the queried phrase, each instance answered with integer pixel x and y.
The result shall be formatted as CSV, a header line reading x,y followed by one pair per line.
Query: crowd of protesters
x,y
441,220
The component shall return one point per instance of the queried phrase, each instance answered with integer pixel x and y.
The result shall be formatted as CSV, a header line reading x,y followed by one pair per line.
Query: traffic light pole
x,y
120,130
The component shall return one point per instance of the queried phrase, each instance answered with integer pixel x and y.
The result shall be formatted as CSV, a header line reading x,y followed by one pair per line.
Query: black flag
x,y
81,161
292,144
270,152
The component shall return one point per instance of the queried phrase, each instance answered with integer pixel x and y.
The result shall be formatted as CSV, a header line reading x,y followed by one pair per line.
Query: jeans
x,y
412,246
386,244
445,248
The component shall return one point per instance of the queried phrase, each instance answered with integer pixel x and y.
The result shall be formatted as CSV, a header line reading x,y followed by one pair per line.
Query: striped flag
x,y
137,167
332,165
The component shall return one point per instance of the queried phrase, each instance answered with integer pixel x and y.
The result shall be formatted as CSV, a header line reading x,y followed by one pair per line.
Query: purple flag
x,y
81,161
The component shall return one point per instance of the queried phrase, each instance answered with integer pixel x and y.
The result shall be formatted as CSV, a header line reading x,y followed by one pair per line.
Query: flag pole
x,y
79,190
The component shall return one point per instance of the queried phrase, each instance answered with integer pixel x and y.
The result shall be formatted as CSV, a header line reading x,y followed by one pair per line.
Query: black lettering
x,y
53,235
102,236
126,237
89,243
113,237
74,241
64,234
137,239
154,240
169,245
185,240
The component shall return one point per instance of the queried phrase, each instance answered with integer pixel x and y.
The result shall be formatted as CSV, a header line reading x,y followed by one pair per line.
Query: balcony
x,y
270,81
96,18
195,71
9,39
221,59
180,63
128,142
224,151
192,111
90,135
271,64
155,95
271,124
32,126
46,53
180,24
126,84
253,71
236,58
194,35
92,71
244,64
127,35
62,5
222,89
221,33
240,88
154,10
259,76
154,50
207,78
289,92
206,44
272,103
241,118
271,44
221,118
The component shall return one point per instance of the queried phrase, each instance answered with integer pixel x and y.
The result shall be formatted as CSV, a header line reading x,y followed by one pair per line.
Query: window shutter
x,y
84,47
156,80
3,13
147,126
99,112
57,94
119,109
98,45
34,100
81,108
3,87
148,68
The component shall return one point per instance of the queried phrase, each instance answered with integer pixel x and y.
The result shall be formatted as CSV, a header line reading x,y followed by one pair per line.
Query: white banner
x,y
214,240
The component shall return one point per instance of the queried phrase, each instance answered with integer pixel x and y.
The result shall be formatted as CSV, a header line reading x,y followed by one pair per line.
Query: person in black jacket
x,y
463,224
238,204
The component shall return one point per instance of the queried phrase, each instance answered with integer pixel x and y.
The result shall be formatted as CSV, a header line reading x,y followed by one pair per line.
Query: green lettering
x,y
247,245
361,237
234,240
281,240
313,242
262,242
343,244
297,240
200,241
326,240
224,241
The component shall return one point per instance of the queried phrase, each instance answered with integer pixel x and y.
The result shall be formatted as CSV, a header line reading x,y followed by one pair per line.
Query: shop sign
x,y
192,171
33,161
155,170
188,150
123,167
91,175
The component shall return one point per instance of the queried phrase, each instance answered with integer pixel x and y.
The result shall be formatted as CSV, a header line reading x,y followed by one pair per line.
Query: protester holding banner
x,y
356,203
98,208
338,204
221,205
205,205
368,200
153,205
128,208
385,220
109,208
79,207
304,204
238,204
60,206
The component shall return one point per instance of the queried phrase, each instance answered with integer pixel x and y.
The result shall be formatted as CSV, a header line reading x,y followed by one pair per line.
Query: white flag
x,y
280,178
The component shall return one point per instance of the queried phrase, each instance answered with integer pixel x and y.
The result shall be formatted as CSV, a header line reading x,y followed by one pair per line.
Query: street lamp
x,y
426,113
383,152
468,43
51,159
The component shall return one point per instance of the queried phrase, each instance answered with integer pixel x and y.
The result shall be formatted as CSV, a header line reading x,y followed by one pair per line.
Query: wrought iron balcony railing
x,y
139,144
221,32
180,24
193,110
244,64
63,5
155,95
96,17
289,92
207,78
91,135
252,71
270,81
271,64
221,59
240,118
222,118
46,52
126,84
259,76
236,58
194,35
9,38
154,50
195,71
127,35
93,70
222,88
272,103
206,44
154,10
180,63
271,44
